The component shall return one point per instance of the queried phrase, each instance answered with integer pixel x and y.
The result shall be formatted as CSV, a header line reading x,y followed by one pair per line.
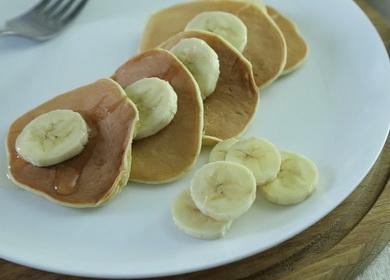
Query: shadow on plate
x,y
14,43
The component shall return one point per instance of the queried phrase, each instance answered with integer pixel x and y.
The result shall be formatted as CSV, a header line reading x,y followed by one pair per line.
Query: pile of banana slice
x,y
220,192
225,188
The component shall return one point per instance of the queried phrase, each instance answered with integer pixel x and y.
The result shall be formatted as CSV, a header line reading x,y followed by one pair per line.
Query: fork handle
x,y
6,32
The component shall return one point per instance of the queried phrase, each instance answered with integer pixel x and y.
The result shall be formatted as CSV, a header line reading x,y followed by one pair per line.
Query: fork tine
x,y
49,11
77,9
40,6
64,9
46,19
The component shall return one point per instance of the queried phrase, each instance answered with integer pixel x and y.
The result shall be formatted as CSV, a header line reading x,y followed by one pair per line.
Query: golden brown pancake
x,y
231,107
296,46
266,48
167,155
102,168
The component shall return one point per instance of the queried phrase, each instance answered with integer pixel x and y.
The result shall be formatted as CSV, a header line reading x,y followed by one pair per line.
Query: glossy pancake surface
x,y
230,108
296,47
167,155
102,168
266,48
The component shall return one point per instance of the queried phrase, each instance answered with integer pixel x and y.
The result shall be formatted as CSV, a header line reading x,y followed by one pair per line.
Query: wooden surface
x,y
338,247
381,24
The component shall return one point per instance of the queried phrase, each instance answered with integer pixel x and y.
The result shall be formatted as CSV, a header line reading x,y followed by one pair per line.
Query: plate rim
x,y
74,272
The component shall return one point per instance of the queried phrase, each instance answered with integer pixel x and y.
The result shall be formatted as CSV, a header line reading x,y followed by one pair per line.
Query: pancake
x,y
296,47
230,108
266,48
102,168
169,154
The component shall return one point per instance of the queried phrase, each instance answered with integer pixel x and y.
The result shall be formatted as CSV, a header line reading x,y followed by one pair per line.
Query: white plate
x,y
335,109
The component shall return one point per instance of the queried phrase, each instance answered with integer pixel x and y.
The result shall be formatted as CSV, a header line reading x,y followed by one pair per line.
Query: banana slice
x,y
201,60
295,182
223,190
226,25
52,138
156,102
258,3
189,219
220,150
259,155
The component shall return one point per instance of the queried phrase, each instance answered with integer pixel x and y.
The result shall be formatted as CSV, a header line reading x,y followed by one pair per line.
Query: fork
x,y
45,20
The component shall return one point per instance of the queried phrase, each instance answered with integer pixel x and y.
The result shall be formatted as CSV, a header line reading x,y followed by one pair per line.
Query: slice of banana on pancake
x,y
265,46
258,3
75,149
156,102
201,60
297,48
229,110
172,151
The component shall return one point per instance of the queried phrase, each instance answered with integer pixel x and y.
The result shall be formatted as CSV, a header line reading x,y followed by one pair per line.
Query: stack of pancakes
x,y
111,157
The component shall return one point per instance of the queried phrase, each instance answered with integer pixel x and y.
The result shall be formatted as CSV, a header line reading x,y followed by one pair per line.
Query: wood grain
x,y
381,24
337,247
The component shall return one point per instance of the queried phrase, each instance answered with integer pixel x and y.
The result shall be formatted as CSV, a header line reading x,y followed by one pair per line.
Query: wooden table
x,y
338,247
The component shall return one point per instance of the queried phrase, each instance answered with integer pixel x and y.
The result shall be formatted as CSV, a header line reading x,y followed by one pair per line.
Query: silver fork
x,y
45,20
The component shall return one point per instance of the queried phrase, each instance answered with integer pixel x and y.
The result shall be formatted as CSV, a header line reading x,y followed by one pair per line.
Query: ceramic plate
x,y
335,110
